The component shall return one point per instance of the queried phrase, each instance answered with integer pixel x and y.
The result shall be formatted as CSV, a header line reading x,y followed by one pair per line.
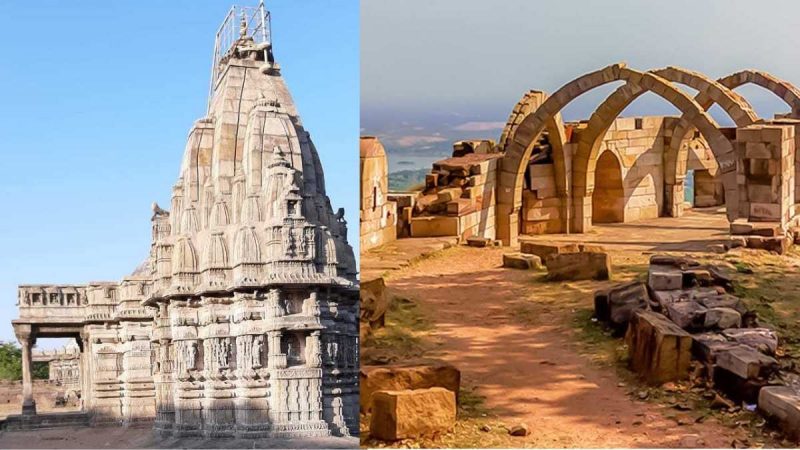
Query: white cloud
x,y
480,126
414,140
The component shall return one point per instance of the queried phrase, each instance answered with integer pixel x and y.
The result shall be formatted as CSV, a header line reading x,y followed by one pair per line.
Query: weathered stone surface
x,y
674,261
373,305
522,261
478,242
722,301
746,362
519,430
410,414
706,346
578,266
398,377
721,318
779,245
543,250
689,315
782,403
618,304
662,278
660,351
761,339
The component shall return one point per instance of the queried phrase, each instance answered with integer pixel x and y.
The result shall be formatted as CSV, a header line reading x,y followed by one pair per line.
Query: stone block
x,y
660,351
618,304
782,404
578,266
479,242
430,226
373,305
397,377
412,414
716,300
740,227
721,318
761,339
706,346
747,363
543,250
661,278
779,245
522,261
689,315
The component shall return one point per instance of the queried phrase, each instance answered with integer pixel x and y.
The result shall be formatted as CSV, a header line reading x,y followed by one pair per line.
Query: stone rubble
x,y
693,316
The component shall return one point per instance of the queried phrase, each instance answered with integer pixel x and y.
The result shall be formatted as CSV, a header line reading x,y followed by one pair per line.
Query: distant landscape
x,y
413,141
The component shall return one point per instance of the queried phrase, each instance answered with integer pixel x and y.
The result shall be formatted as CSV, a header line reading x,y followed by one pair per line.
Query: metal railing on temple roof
x,y
241,22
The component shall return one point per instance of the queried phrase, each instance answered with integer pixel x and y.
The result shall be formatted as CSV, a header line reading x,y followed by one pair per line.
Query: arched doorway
x,y
608,198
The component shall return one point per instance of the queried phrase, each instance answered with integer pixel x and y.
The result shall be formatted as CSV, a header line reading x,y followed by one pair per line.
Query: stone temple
x,y
243,320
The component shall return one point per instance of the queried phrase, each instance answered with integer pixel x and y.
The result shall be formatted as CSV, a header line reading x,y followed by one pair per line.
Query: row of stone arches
x,y
575,173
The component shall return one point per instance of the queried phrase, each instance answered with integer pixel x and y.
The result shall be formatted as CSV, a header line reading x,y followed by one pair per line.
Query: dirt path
x,y
510,334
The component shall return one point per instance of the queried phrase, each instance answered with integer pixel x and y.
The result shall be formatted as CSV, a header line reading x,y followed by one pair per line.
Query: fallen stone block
x,y
373,305
706,346
747,363
398,377
660,350
578,266
779,245
412,414
543,250
522,261
721,318
697,277
722,301
477,241
721,277
761,339
625,300
674,261
519,430
688,315
782,404
663,278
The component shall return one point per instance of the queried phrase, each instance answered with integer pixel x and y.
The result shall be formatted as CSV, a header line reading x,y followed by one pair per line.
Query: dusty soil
x,y
529,349
44,394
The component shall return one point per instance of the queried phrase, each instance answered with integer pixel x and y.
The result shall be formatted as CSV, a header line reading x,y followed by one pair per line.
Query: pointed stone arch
x,y
676,155
591,138
519,148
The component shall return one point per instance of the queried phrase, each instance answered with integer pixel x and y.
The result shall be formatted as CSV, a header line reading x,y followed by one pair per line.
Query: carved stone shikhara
x,y
243,320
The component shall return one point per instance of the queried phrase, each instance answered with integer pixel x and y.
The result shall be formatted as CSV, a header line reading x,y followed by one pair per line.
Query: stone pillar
x,y
674,198
26,340
276,359
582,217
767,160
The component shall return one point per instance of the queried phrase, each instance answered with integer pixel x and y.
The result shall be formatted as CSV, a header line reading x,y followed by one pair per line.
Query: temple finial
x,y
243,25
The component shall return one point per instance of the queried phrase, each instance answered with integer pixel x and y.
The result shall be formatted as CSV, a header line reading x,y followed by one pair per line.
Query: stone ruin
x,y
378,215
63,366
547,176
242,321
685,315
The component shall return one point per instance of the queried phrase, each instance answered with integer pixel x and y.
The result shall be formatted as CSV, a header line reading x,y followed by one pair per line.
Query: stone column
x,y
26,339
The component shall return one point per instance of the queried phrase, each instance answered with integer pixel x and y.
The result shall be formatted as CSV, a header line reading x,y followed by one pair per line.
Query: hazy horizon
x,y
433,72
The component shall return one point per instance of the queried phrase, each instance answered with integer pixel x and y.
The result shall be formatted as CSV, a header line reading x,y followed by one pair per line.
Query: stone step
x,y
45,421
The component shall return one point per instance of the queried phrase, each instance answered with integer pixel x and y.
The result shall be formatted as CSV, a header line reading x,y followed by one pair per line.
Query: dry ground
x,y
529,352
44,394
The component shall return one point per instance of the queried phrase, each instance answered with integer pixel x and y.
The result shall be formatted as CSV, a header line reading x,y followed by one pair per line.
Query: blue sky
x,y
453,69
97,100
